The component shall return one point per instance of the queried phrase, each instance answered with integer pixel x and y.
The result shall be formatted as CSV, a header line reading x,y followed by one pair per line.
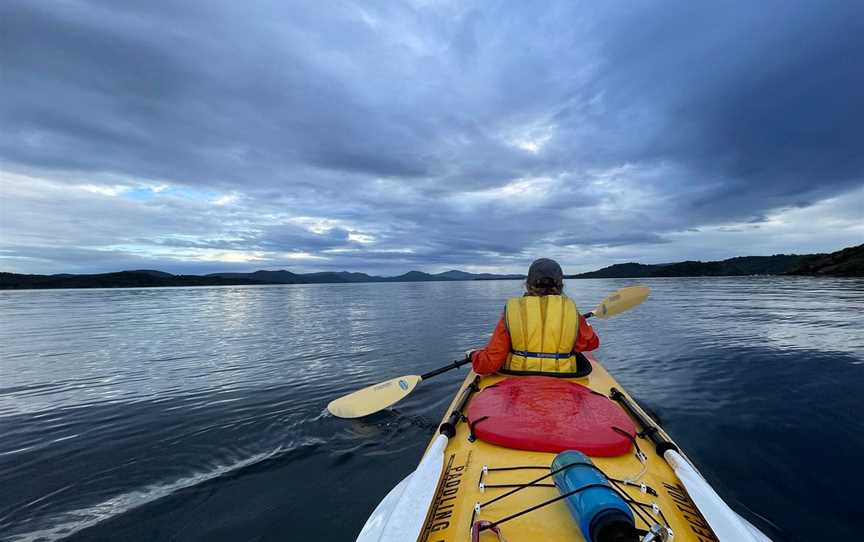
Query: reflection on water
x,y
198,413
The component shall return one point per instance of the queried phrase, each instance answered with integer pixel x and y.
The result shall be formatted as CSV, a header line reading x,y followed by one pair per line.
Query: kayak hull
x,y
467,462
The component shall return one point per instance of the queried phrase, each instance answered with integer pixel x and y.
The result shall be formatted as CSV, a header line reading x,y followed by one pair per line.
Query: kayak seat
x,y
583,368
547,414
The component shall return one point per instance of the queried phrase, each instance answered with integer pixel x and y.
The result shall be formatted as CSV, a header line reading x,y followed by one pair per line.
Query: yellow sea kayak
x,y
466,463
540,458
475,475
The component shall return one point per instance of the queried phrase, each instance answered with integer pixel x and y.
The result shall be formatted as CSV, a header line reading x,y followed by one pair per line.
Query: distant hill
x,y
618,271
462,275
121,279
848,262
341,276
287,277
740,266
146,271
264,277
152,278
416,276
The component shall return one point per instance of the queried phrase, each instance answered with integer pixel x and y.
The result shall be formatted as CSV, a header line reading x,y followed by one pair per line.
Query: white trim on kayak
x,y
760,536
378,519
402,513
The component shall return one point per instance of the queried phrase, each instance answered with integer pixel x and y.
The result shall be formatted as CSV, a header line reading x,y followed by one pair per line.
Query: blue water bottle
x,y
601,513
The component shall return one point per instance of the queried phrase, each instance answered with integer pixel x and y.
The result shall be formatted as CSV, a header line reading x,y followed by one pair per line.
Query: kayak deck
x,y
466,463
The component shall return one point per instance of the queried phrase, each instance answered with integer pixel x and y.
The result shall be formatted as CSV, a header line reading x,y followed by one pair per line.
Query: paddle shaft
x,y
448,428
661,443
454,365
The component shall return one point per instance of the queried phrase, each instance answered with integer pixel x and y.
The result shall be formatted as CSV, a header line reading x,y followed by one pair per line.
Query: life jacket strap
x,y
543,355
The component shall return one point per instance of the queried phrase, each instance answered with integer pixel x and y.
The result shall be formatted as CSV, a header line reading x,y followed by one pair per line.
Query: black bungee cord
x,y
613,485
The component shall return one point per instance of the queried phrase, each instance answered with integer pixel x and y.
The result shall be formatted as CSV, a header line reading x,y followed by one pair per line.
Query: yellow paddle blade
x,y
373,398
622,300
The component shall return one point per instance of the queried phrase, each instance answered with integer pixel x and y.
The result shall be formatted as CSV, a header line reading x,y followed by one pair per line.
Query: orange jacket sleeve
x,y
587,340
490,359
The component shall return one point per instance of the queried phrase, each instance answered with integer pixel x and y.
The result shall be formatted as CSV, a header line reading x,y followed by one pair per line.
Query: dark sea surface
x,y
199,413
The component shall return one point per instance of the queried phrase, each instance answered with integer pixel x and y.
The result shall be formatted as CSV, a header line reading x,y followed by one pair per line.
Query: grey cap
x,y
544,268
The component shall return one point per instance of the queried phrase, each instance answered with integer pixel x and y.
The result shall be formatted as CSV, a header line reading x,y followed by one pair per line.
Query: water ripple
x,y
198,413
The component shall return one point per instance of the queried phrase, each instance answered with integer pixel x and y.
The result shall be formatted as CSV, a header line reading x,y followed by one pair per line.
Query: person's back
x,y
540,332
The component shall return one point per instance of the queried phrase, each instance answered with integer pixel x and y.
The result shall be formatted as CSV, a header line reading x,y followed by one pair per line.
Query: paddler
x,y
540,332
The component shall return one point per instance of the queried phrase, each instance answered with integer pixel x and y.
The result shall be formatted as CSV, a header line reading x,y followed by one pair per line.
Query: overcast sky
x,y
196,136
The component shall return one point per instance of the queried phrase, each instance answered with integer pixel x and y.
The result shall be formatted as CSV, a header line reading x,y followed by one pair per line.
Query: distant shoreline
x,y
159,279
848,262
259,284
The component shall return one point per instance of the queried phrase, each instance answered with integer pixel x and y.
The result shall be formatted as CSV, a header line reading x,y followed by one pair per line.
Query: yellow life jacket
x,y
543,330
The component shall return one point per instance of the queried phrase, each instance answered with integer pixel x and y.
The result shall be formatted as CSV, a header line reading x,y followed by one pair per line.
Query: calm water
x,y
199,413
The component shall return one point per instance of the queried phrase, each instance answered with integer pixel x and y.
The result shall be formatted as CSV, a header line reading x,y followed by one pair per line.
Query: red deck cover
x,y
547,414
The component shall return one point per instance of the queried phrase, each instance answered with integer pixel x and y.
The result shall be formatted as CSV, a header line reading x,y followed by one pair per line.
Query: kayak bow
x,y
439,501
461,484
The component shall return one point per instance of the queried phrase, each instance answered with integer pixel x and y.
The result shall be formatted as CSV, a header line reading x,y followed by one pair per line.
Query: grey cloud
x,y
766,97
715,115
290,237
599,238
